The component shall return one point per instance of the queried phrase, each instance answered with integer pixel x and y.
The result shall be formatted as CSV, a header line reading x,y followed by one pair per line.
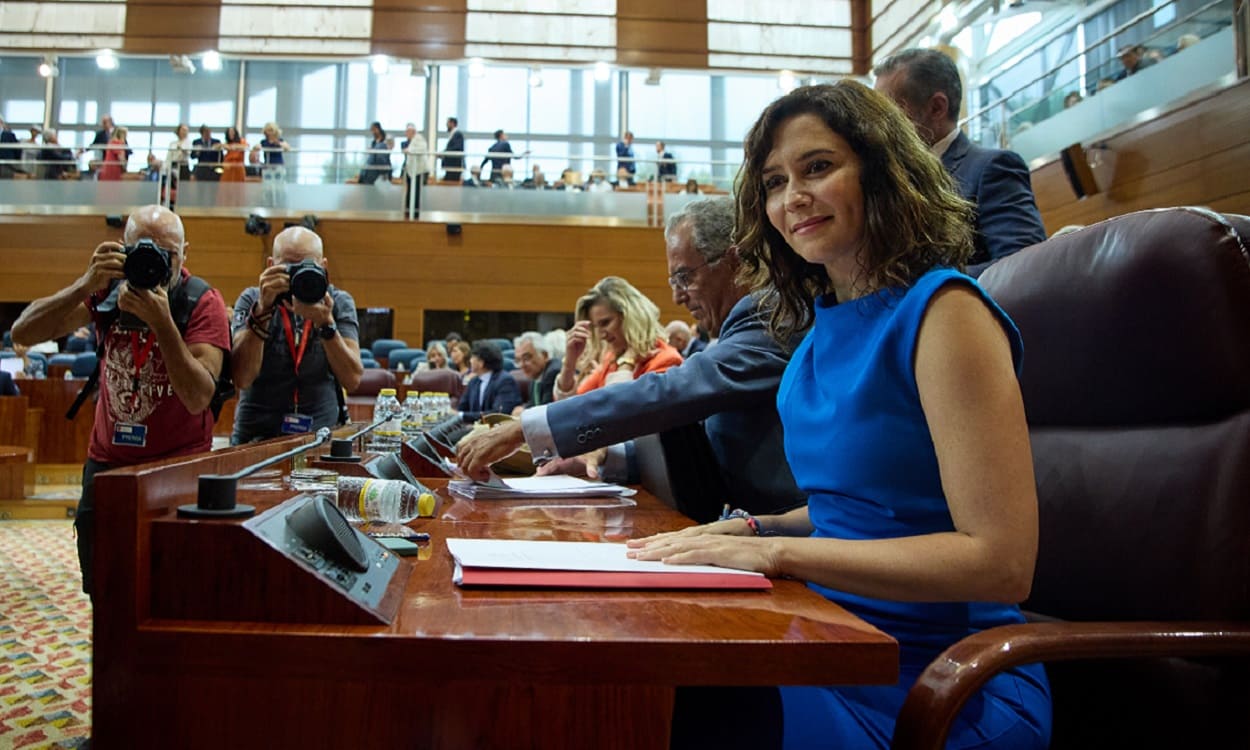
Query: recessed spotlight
x,y
48,68
106,60
536,77
211,60
603,72
787,81
477,67
380,64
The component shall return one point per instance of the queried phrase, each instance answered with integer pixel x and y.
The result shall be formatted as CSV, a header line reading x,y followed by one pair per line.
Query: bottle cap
x,y
387,392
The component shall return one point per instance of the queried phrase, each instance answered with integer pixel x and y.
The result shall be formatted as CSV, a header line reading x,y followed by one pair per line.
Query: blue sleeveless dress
x,y
858,444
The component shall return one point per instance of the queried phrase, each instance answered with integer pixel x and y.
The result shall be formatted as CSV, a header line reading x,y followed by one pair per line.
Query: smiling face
x,y
813,196
608,326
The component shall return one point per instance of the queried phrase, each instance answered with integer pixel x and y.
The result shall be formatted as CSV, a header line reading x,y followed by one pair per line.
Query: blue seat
x,y
63,359
382,347
409,358
366,354
369,364
6,354
75,345
84,364
505,345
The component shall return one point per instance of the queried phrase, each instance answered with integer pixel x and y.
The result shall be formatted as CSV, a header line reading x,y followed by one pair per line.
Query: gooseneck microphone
x,y
217,491
341,448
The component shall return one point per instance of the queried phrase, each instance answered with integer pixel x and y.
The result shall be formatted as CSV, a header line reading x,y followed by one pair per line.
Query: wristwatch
x,y
327,331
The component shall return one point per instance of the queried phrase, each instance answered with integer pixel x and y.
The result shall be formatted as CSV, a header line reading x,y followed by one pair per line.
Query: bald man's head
x,y
163,227
294,244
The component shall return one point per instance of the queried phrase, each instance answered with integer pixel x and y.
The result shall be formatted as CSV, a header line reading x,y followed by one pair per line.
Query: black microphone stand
x,y
217,491
341,448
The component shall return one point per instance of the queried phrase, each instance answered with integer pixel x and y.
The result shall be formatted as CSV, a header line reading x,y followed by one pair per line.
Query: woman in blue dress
x,y
903,423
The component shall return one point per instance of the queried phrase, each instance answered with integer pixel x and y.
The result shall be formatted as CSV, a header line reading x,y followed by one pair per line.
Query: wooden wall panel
x,y
1197,154
409,267
654,33
413,32
166,28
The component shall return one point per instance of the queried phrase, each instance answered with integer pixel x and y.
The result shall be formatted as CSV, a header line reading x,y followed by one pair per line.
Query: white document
x,y
554,486
592,556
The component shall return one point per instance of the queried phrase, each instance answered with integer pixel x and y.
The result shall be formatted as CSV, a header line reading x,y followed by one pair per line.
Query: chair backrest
x,y
1136,382
373,380
75,345
62,359
505,345
381,348
441,380
84,364
409,358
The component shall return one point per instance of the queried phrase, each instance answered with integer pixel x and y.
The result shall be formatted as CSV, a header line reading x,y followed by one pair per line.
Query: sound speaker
x,y
1076,167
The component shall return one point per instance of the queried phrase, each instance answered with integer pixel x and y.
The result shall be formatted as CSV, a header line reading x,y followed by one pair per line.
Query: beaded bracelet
x,y
752,522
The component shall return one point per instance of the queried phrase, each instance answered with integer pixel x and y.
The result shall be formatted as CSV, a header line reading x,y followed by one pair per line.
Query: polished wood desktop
x,y
455,668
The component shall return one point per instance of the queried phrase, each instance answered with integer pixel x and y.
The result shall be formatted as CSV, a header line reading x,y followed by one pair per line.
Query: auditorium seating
x,y
405,356
382,348
1136,381
372,381
438,381
84,364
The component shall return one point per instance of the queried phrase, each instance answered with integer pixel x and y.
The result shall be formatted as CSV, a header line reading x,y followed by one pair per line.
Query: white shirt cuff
x,y
538,434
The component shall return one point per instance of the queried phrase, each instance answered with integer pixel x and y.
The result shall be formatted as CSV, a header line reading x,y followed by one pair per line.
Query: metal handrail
x,y
1101,40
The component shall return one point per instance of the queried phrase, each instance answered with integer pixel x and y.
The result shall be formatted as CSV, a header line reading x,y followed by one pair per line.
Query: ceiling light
x,y
106,60
380,64
653,77
477,67
48,68
787,81
536,77
603,72
211,60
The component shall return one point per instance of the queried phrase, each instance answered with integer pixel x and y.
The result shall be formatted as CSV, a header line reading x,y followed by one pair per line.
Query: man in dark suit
x,y
101,142
206,150
731,387
666,169
925,84
681,338
10,158
491,391
497,163
453,159
534,358
7,386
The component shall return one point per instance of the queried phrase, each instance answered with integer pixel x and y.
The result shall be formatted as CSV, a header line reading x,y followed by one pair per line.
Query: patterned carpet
x,y
45,638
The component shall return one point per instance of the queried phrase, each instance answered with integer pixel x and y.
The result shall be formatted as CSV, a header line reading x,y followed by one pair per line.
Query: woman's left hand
x,y
742,553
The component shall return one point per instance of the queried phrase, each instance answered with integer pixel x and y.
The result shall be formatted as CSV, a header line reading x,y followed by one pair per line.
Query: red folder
x,y
589,579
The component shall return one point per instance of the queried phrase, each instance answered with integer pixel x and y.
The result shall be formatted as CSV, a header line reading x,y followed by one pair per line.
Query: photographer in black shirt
x,y
295,343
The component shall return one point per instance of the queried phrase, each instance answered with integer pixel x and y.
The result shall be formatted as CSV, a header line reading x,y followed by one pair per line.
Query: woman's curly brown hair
x,y
914,218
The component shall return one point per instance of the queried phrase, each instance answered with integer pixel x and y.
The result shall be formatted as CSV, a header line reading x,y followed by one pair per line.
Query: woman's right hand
x,y
577,340
727,527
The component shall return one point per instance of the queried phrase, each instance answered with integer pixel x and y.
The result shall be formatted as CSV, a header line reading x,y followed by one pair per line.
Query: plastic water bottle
x,y
387,436
412,422
369,500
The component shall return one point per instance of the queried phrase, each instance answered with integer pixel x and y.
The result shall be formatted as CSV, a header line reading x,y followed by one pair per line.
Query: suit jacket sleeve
x,y
1007,215
741,371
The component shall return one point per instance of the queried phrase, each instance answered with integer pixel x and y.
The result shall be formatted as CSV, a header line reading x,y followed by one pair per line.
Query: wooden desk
x,y
456,668
60,441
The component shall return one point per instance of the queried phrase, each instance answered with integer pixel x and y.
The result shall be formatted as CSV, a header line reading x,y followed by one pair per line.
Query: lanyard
x,y
298,356
141,357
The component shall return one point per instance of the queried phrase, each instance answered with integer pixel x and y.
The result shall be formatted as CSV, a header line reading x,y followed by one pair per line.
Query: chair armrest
x,y
946,684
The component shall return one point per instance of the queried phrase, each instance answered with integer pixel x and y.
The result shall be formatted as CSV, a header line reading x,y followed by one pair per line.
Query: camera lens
x,y
147,265
308,282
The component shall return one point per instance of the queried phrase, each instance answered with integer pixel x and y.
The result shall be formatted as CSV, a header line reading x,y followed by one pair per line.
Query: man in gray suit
x,y
731,387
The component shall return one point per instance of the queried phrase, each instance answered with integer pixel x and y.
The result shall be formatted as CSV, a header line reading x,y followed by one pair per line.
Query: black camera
x,y
147,265
309,281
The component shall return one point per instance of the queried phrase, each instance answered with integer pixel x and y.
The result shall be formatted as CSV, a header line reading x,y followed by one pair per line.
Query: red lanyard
x,y
298,356
141,358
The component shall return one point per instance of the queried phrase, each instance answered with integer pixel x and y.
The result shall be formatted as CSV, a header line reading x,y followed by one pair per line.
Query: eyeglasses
x,y
681,280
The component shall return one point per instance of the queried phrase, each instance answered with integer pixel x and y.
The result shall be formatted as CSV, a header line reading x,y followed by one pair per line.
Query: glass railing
x,y
330,182
1092,91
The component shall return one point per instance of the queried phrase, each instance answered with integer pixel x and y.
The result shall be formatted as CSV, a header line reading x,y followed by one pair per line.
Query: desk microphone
x,y
341,448
217,491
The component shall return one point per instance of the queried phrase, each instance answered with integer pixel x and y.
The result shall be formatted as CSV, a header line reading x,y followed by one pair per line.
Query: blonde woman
x,y
273,147
624,325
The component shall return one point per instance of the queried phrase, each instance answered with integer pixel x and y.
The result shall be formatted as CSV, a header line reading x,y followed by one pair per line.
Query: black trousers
x,y
408,196
84,524
726,718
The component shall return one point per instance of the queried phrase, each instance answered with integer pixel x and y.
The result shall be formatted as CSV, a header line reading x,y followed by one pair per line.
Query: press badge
x,y
296,424
133,435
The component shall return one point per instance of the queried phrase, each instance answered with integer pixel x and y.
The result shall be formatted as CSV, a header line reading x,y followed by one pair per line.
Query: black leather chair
x,y
1136,382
